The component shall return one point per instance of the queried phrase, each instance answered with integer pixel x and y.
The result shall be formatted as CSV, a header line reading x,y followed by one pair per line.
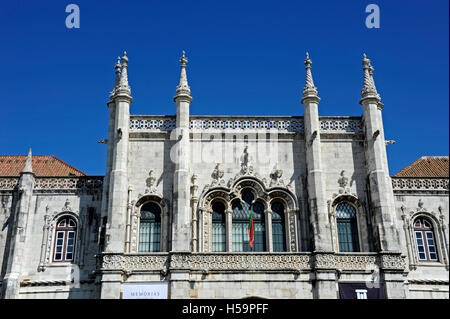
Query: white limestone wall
x,y
287,152
146,154
53,281
427,279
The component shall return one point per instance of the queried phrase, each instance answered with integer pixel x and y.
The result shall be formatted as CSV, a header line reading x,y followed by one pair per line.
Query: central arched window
x,y
425,243
241,223
347,228
66,230
278,228
218,227
150,228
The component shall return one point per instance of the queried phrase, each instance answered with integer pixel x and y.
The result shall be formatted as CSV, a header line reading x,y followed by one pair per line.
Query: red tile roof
x,y
426,166
43,165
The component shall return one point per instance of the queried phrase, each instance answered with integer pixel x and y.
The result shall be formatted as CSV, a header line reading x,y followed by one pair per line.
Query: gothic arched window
x,y
218,227
278,227
425,243
241,224
347,228
65,236
150,228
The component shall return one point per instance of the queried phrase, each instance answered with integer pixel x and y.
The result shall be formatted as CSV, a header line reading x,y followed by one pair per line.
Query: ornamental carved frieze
x,y
134,262
252,262
248,262
355,262
420,184
393,262
324,261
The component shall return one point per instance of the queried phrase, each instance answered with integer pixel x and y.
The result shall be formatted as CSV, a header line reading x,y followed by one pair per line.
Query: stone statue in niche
x,y
67,207
246,168
217,176
276,176
150,182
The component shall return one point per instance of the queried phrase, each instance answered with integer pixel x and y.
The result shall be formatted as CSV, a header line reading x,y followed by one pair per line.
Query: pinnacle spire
x,y
117,67
28,168
123,82
369,90
309,90
183,87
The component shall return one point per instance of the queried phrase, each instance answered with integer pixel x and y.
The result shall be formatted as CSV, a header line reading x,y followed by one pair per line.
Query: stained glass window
x,y
150,228
278,227
347,228
218,227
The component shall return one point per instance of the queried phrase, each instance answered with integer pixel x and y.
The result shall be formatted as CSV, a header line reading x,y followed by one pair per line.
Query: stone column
x,y
322,241
381,193
117,208
315,177
229,229
181,226
16,257
269,237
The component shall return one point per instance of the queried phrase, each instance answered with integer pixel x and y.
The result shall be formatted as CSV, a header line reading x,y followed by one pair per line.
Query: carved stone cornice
x,y
187,261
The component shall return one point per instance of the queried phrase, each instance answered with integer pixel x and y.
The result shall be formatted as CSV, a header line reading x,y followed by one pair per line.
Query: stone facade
x,y
184,164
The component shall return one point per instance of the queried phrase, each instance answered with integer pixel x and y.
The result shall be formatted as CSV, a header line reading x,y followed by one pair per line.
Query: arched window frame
x,y
361,221
285,219
225,205
161,226
66,230
438,238
231,195
133,235
49,240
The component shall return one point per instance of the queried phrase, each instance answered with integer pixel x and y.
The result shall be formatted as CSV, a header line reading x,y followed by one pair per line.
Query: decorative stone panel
x,y
134,262
419,184
340,125
8,183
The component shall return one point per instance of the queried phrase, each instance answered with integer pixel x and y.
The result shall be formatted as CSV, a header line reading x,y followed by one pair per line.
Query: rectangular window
x,y
218,237
278,237
59,245
240,237
70,245
149,236
431,245
347,235
420,246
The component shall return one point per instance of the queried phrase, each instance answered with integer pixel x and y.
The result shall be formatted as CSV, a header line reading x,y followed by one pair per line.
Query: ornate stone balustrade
x,y
57,183
244,262
142,123
419,184
68,183
8,183
336,124
340,124
232,124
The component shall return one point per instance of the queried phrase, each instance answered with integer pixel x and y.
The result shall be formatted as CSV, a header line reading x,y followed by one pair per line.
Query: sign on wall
x,y
147,290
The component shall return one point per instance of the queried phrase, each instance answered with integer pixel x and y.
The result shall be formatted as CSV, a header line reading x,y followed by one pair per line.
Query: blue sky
x,y
245,58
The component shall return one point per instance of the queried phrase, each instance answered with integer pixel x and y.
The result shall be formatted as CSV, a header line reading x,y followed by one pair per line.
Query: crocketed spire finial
x,y
183,88
28,168
123,83
118,66
369,90
309,89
